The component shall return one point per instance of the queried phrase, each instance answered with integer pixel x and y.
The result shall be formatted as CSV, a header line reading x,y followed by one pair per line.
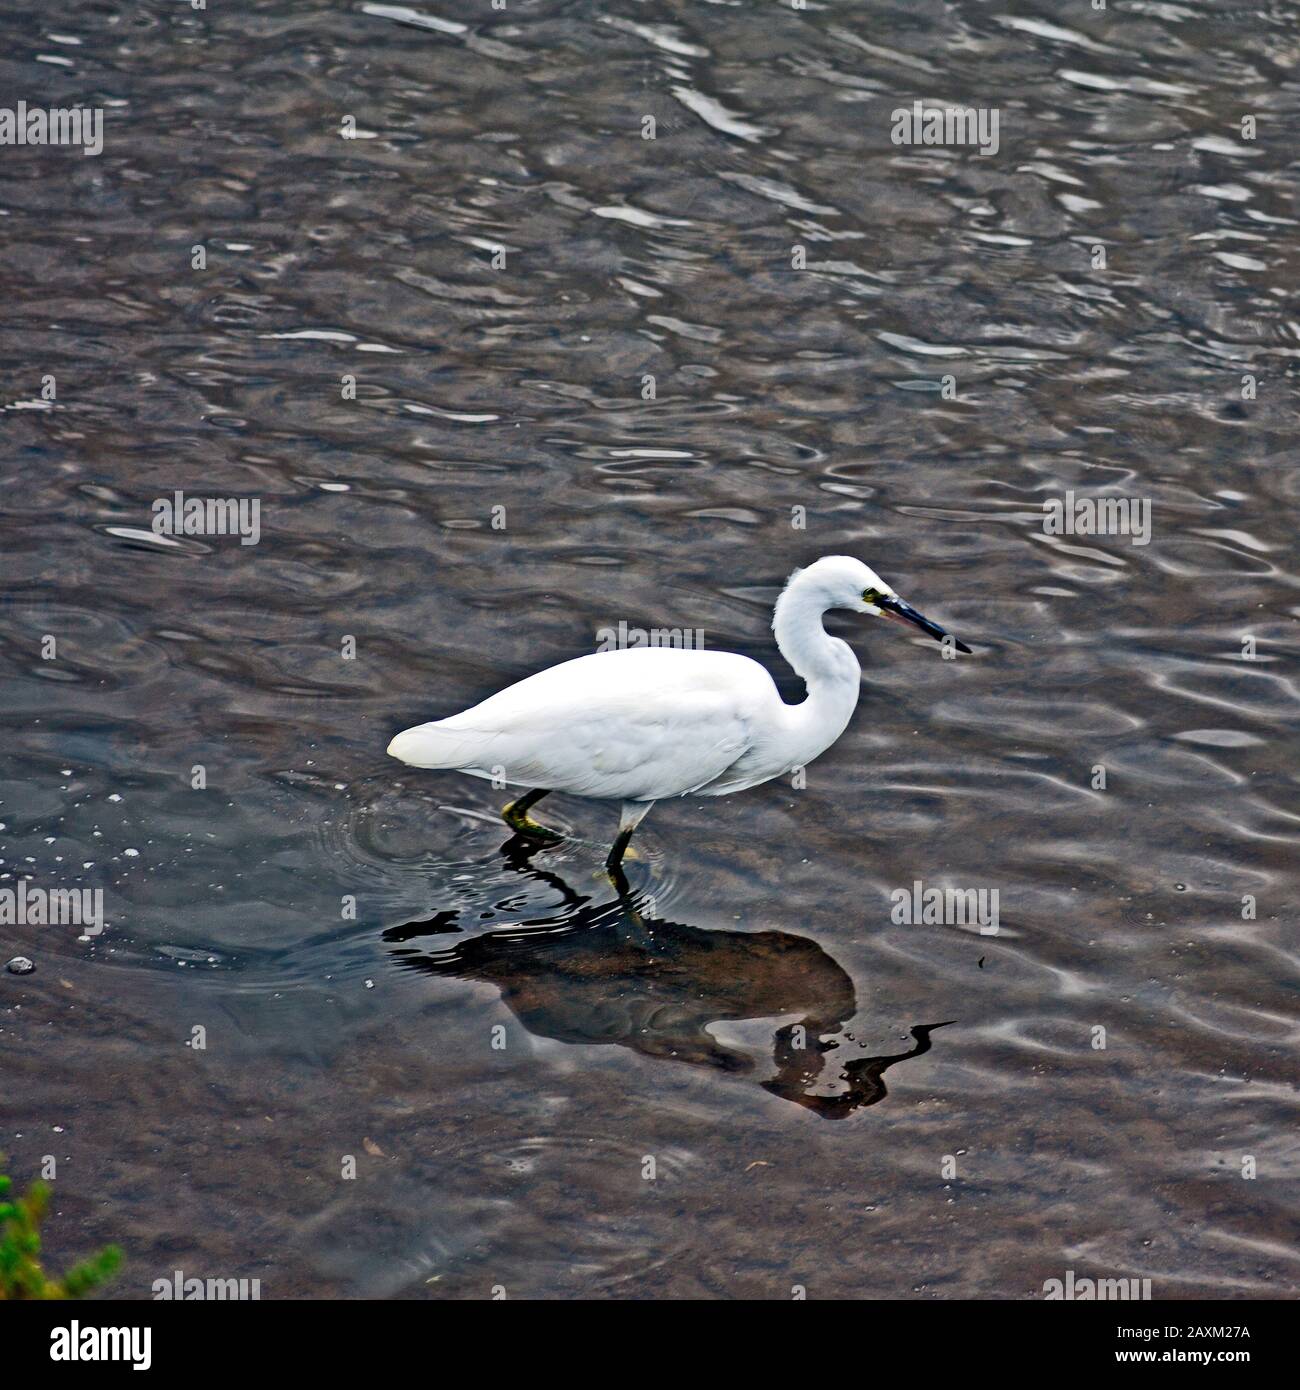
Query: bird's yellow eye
x,y
870,595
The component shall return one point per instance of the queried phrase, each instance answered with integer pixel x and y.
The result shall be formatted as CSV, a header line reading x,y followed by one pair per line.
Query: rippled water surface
x,y
734,1081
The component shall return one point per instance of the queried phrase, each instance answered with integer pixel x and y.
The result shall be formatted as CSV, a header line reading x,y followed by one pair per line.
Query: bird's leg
x,y
615,874
517,818
634,812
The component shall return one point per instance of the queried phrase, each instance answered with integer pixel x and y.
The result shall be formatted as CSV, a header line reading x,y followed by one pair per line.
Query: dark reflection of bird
x,y
592,972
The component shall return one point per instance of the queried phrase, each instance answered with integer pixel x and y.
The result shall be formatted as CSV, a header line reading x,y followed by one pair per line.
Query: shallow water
x,y
544,1089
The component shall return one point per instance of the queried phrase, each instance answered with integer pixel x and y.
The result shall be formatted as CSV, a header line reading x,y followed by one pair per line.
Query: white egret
x,y
646,723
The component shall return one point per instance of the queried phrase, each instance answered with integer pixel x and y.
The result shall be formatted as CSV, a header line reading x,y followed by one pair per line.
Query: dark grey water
x,y
499,260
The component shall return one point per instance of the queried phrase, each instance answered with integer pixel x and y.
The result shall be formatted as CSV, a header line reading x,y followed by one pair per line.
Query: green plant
x,y
21,1275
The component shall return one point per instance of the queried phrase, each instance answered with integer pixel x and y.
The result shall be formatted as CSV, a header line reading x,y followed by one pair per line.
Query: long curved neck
x,y
827,665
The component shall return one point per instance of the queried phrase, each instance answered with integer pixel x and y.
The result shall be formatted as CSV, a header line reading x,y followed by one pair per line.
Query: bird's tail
x,y
435,745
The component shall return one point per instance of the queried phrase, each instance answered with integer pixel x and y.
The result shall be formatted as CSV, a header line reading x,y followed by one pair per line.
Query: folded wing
x,y
635,725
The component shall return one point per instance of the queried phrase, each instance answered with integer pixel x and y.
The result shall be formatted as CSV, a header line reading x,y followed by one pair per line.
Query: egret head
x,y
848,583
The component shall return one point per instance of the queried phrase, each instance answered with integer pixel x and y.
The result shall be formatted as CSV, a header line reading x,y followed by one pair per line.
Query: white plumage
x,y
636,725
644,724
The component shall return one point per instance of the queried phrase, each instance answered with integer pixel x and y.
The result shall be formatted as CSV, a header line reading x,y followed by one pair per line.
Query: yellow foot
x,y
523,824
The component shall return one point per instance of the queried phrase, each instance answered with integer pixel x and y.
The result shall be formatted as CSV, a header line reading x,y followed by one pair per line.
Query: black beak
x,y
904,613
